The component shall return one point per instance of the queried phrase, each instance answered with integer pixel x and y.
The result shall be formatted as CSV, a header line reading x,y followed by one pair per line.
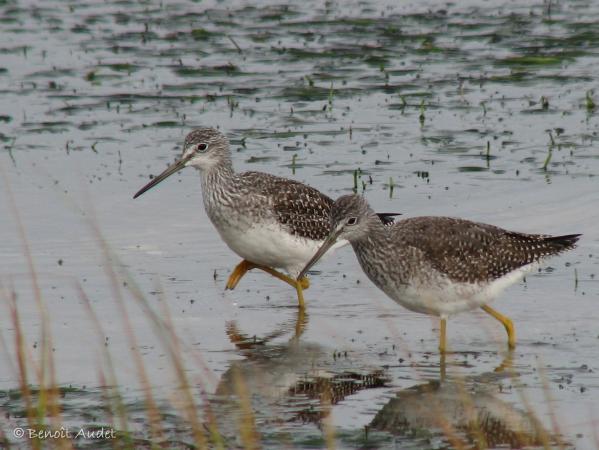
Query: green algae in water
x,y
200,34
531,60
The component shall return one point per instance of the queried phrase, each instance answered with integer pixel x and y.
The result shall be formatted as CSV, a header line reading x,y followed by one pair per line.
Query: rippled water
x,y
472,109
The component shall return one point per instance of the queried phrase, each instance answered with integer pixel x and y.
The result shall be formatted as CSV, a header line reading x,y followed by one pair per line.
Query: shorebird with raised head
x,y
438,265
271,222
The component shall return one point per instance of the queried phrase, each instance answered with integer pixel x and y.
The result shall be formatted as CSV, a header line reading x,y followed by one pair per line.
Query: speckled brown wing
x,y
301,208
472,252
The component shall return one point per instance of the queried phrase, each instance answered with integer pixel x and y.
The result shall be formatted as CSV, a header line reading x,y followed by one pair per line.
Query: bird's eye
x,y
202,147
352,221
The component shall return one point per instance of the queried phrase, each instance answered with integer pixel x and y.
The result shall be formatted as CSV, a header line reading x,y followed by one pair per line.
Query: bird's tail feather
x,y
387,218
561,243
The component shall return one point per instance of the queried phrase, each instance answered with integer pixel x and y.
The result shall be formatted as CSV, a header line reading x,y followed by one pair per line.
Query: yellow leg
x,y
246,265
238,273
442,338
303,283
507,323
299,285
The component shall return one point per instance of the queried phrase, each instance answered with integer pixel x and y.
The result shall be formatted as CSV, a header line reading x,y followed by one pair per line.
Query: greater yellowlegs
x,y
438,265
271,222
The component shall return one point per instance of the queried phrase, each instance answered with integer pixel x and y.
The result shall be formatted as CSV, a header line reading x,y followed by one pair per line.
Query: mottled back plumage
x,y
305,211
301,208
473,252
462,250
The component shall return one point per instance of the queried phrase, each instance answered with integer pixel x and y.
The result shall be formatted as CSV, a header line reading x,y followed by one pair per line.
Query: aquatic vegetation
x,y
439,109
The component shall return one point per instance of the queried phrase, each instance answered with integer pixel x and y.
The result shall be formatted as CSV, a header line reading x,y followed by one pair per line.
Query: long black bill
x,y
173,168
326,245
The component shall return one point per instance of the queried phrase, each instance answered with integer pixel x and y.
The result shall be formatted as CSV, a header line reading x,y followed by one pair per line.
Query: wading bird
x,y
438,265
271,222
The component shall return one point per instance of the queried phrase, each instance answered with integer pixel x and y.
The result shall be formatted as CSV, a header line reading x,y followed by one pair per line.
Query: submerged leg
x,y
300,324
246,265
506,364
507,323
442,366
442,338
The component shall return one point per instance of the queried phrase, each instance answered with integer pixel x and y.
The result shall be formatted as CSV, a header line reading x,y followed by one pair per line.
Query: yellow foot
x,y
507,323
238,273
304,282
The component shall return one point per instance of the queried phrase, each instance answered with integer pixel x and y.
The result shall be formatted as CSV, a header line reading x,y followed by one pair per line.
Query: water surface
x,y
471,109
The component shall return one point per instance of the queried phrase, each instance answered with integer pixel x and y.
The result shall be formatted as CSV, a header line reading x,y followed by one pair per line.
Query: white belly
x,y
270,245
445,298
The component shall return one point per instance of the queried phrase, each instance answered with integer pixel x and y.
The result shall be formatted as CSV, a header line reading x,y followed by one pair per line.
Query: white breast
x,y
270,245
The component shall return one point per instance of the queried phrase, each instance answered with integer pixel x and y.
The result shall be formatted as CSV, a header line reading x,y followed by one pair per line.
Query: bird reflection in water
x,y
295,380
278,384
463,411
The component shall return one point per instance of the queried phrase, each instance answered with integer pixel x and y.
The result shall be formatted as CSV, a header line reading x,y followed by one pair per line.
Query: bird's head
x,y
204,149
350,216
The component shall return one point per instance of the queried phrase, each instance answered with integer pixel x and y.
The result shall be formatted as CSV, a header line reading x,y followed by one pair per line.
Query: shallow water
x,y
97,97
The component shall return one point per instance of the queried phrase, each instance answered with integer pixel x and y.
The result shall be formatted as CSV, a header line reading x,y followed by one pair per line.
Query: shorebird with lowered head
x,y
438,265
271,222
